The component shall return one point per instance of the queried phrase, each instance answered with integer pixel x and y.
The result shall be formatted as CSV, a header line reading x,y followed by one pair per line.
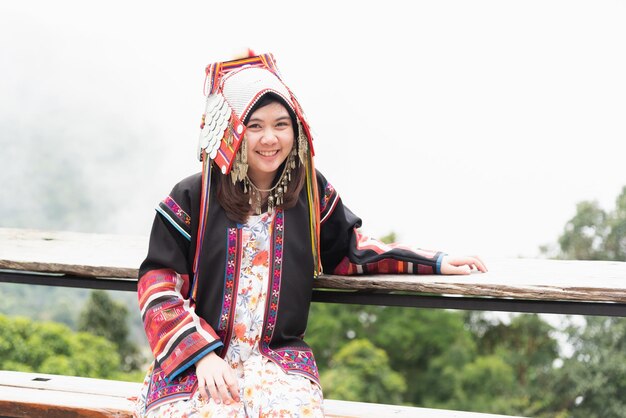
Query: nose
x,y
269,136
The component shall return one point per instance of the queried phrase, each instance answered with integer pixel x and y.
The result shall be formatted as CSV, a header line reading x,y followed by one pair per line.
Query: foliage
x,y
48,347
526,344
104,317
64,305
360,372
447,359
592,382
594,234
419,343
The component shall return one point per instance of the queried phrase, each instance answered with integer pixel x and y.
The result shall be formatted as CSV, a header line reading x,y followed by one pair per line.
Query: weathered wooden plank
x,y
45,395
24,402
90,255
512,278
34,394
72,384
118,256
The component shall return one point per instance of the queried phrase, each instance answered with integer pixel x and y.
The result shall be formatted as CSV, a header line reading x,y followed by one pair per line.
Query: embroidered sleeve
x,y
370,256
177,336
345,251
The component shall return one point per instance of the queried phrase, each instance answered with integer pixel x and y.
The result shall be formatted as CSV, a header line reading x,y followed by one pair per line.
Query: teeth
x,y
267,153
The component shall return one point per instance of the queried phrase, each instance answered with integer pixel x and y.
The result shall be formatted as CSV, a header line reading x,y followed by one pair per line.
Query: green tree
x,y
528,348
360,372
48,347
615,242
104,317
592,382
420,344
594,234
487,384
526,344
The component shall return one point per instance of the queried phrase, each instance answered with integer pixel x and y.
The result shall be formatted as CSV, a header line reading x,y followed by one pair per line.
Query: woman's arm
x,y
177,336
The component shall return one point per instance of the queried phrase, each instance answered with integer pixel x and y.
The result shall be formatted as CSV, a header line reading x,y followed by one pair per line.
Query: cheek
x,y
289,142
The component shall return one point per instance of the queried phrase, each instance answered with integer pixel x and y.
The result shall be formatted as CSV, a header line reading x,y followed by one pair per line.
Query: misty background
x,y
470,127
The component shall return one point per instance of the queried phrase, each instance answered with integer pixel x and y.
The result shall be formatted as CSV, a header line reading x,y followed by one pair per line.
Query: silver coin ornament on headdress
x,y
214,124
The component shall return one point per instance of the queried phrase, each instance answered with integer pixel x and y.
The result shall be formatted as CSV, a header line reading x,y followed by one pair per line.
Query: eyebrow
x,y
275,120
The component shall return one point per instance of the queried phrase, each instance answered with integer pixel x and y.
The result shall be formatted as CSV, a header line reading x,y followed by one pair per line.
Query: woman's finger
x,y
213,391
202,387
233,387
480,264
222,388
471,262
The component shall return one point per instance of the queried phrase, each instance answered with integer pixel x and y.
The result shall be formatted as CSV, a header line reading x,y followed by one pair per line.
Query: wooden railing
x,y
110,262
515,285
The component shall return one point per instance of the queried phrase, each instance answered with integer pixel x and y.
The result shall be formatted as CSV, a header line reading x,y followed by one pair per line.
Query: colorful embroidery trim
x,y
296,360
230,285
177,210
161,390
176,216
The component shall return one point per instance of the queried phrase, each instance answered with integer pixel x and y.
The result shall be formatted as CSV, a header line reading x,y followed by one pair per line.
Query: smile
x,y
268,153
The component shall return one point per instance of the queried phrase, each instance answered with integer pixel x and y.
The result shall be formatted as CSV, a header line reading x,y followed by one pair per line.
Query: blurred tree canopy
x,y
593,233
446,359
102,349
592,382
104,317
360,372
48,347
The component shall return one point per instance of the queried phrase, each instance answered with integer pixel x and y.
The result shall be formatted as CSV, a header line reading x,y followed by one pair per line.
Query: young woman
x,y
226,286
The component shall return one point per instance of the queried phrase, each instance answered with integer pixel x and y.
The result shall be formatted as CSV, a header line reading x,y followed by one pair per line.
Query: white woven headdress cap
x,y
243,87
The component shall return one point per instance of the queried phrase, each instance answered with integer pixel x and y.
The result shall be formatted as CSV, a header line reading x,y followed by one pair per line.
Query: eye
x,y
254,126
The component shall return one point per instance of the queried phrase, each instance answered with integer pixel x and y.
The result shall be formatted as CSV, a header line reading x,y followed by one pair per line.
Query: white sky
x,y
467,126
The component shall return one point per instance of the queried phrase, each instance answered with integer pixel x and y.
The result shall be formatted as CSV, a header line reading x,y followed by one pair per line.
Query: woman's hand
x,y
216,379
461,265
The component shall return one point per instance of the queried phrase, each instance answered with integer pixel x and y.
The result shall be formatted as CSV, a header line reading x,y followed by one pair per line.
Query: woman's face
x,y
270,139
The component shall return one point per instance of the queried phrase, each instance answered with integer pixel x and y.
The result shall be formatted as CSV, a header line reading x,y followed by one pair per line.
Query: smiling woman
x,y
225,289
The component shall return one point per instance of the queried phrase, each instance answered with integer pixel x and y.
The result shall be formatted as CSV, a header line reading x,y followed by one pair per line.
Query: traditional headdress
x,y
232,88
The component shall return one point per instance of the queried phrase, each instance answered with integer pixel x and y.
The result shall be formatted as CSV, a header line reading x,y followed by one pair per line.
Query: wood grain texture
x,y
54,396
118,256
43,395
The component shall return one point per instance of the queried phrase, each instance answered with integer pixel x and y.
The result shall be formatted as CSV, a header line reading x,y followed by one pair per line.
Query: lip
x,y
268,154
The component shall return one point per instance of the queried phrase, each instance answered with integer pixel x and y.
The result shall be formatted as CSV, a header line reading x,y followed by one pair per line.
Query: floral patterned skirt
x,y
265,390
